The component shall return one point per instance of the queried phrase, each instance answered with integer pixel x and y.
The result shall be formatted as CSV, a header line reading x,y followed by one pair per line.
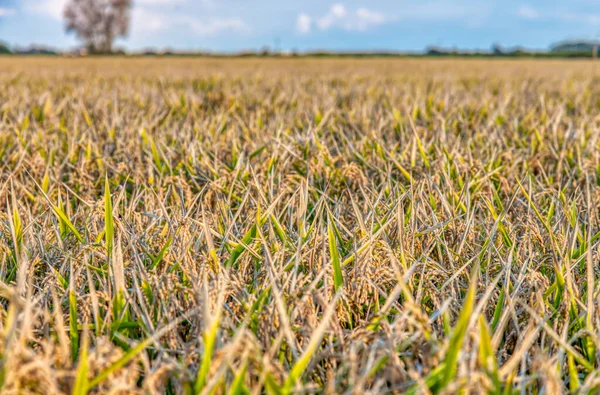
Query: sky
x,y
303,25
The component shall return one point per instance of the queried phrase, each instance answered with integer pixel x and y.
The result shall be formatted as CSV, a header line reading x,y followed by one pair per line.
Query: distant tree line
x,y
565,49
5,49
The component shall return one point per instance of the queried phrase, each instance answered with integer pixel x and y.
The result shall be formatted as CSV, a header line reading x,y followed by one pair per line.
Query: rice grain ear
x,y
231,173
212,252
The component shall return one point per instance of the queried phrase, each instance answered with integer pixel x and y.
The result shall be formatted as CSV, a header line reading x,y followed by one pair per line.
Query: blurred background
x,y
285,27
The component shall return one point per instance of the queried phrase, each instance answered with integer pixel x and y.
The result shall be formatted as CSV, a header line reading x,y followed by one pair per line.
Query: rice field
x,y
248,226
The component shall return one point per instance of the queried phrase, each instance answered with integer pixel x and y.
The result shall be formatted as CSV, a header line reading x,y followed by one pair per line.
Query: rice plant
x,y
196,226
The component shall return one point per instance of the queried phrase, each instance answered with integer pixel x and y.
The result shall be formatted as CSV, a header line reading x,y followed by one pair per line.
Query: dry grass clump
x,y
247,226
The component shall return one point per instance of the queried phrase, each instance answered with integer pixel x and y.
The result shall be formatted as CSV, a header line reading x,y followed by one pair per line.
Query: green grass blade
x,y
302,363
67,222
487,355
73,326
458,335
119,363
161,254
210,339
338,278
574,383
238,387
81,379
133,352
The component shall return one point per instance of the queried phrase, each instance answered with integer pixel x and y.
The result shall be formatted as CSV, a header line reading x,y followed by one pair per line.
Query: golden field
x,y
188,226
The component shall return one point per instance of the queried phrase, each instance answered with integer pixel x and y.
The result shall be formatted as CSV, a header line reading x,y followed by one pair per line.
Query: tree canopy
x,y
98,22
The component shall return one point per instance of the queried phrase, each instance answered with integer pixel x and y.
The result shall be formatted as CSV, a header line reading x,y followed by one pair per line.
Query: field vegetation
x,y
191,226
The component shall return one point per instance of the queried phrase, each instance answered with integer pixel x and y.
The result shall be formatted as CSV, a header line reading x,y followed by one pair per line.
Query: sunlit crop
x,y
281,226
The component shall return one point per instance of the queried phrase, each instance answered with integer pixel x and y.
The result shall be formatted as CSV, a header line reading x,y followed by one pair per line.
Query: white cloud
x,y
527,12
52,8
558,15
468,12
577,17
169,5
145,21
338,11
7,12
217,25
464,11
336,14
367,18
159,2
150,16
304,23
360,20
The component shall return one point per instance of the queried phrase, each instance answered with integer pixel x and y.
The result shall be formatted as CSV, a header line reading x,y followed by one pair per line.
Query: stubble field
x,y
295,225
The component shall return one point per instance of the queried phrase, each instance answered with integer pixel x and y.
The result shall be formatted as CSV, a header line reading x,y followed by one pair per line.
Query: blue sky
x,y
232,25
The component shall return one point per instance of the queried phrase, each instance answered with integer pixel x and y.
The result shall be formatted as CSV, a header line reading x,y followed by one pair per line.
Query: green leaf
x,y
210,339
238,387
158,258
278,229
574,383
460,330
487,356
73,326
62,216
46,182
119,363
241,247
313,345
443,375
81,379
498,309
338,279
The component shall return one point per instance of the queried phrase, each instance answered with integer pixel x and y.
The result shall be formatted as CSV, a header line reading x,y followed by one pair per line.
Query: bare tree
x,y
98,22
